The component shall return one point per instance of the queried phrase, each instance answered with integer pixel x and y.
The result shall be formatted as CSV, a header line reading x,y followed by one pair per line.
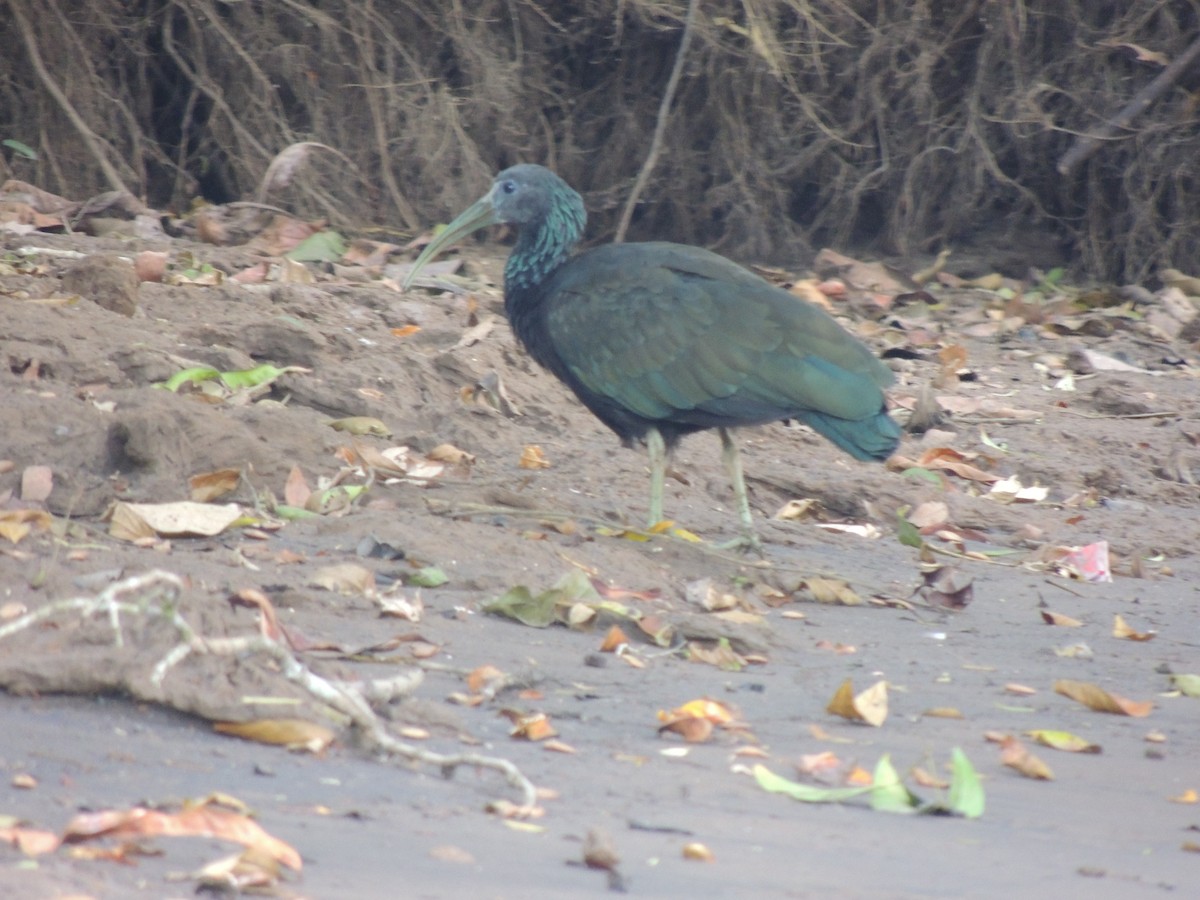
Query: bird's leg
x,y
656,448
733,465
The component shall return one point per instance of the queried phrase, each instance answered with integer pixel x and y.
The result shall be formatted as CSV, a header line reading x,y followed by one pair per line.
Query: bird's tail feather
x,y
865,439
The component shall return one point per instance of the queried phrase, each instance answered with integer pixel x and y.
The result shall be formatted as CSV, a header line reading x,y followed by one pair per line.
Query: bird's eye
x,y
509,187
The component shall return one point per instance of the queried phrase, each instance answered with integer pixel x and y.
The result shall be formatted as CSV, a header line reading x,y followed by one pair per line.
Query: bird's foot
x,y
746,543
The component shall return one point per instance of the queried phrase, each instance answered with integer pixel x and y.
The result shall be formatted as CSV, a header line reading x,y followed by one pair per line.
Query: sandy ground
x,y
1114,448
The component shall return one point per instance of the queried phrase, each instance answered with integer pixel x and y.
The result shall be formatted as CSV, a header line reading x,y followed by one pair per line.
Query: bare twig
x,y
660,126
157,594
1087,145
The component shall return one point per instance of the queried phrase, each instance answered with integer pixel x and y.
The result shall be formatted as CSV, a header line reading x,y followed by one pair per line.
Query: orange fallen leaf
x,y
405,330
208,486
870,706
1096,698
30,841
531,726
614,639
717,713
1016,755
928,779
859,777
533,458
204,820
484,677
295,734
812,763
296,491
36,483
692,730
1122,630
697,852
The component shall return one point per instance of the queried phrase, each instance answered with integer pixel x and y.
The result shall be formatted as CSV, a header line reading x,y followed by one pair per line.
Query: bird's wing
x,y
667,330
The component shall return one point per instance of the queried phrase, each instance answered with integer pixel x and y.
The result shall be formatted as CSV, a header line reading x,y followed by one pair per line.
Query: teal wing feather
x,y
676,333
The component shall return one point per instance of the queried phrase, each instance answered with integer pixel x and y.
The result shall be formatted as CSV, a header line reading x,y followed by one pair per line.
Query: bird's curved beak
x,y
480,214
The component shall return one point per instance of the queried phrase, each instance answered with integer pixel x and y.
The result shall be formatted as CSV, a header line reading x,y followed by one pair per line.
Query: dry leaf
x,y
614,639
296,491
203,820
1096,698
794,510
295,734
184,518
697,852
532,458
344,578
1122,630
828,590
870,706
450,455
36,483
208,486
531,727
1053,618
1063,740
1016,755
30,841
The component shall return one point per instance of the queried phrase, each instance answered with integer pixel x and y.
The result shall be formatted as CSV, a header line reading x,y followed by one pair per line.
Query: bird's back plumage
x,y
677,338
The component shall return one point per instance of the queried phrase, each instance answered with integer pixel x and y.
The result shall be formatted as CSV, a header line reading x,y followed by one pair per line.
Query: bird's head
x,y
547,212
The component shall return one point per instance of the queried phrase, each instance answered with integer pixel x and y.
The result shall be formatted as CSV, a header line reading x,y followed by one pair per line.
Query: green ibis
x,y
659,340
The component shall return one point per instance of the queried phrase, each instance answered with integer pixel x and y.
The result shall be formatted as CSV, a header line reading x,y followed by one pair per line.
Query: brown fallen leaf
x,y
30,841
947,587
208,486
1096,698
697,852
1122,631
928,779
36,483
533,458
344,578
451,455
613,639
296,491
183,518
250,871
530,726
295,734
202,820
870,706
1016,755
1064,621
1021,690
828,590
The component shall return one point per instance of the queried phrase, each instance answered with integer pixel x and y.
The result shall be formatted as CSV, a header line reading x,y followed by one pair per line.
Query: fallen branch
x,y
1087,145
156,594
